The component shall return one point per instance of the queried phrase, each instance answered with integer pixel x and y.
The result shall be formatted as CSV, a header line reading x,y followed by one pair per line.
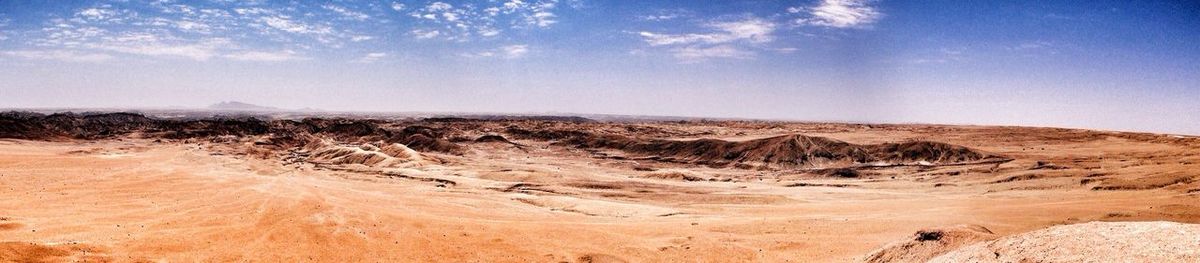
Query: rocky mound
x,y
492,138
426,139
390,155
345,130
674,175
206,128
785,151
284,133
36,126
545,135
928,243
23,125
1090,242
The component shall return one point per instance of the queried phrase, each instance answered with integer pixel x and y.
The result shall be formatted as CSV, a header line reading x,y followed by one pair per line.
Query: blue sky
x,y
1117,65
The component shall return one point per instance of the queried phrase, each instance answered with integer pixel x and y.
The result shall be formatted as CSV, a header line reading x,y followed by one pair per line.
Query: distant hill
x,y
240,106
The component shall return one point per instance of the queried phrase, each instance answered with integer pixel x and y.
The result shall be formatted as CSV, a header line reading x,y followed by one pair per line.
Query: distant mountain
x,y
240,106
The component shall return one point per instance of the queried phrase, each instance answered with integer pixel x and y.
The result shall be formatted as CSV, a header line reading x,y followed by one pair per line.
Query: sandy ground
x,y
137,200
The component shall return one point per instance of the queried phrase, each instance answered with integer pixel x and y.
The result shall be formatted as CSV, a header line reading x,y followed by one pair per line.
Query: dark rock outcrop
x,y
793,150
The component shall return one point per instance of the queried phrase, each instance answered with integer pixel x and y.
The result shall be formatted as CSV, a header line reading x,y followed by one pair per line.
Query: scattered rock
x,y
1042,165
674,175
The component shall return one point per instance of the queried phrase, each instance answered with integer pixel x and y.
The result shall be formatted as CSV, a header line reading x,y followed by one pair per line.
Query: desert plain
x,y
122,187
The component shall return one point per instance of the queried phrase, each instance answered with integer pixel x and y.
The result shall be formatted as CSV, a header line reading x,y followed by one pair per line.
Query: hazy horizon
x,y
1109,65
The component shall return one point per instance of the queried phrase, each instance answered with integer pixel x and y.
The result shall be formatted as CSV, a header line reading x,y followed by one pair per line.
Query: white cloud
x,y
1032,45
423,34
753,30
321,32
174,9
514,5
695,54
539,14
514,51
489,32
656,39
659,17
59,55
350,14
664,15
480,54
543,19
165,28
97,14
64,34
214,13
286,24
462,22
104,14
491,11
448,21
265,56
152,45
577,4
227,29
727,39
370,57
507,52
252,11
439,6
193,26
839,14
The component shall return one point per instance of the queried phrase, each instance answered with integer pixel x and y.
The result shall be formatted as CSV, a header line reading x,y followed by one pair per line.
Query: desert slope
x,y
1096,241
126,187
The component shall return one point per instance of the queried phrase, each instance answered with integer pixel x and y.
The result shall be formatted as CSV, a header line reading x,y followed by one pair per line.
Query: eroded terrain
x,y
123,187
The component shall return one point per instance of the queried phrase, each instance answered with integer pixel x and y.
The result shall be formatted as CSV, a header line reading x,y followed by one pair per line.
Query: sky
x,y
1111,65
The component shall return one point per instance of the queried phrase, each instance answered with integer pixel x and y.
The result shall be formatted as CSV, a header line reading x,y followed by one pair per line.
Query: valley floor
x,y
136,200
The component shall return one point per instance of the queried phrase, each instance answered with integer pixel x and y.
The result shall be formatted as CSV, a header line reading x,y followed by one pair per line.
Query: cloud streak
x,y
347,13
721,42
838,14
197,31
480,20
265,56
370,57
506,52
697,54
59,55
152,45
515,51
